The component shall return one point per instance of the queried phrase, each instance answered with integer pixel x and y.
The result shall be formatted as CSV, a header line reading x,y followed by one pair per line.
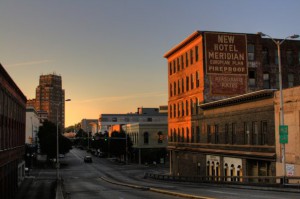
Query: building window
x,y
233,135
291,80
186,59
174,110
192,107
246,133
171,111
276,57
174,88
182,135
191,55
197,79
182,85
182,62
187,82
226,134
197,134
299,57
252,78
208,134
193,135
170,67
187,134
216,134
179,86
192,81
149,119
182,108
146,138
178,64
187,107
160,137
264,130
196,53
251,56
114,119
178,110
277,81
266,78
265,56
171,92
289,57
255,133
196,106
174,66
175,135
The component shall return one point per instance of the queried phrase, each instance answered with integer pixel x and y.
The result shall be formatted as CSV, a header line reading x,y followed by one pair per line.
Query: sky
x,y
110,52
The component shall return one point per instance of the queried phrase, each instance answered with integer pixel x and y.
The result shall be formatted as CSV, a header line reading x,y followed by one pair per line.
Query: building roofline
x,y
11,81
187,40
240,98
192,37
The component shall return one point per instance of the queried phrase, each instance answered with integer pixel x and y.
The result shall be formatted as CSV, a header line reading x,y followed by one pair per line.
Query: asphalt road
x,y
105,179
80,177
83,180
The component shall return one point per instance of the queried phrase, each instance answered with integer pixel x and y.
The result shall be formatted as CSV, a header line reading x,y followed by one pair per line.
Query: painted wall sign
x,y
226,53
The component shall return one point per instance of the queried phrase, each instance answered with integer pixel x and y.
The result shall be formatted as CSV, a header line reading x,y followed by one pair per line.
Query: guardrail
x,y
289,181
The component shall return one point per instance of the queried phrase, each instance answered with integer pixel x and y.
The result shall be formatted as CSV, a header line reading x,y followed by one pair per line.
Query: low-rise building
x,y
89,125
143,115
32,126
149,141
239,136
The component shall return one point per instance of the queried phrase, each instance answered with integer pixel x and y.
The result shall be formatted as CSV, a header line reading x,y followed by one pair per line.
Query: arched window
x,y
225,171
232,171
146,138
207,168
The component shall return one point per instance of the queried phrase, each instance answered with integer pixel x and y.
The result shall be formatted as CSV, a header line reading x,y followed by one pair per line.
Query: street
x,y
107,179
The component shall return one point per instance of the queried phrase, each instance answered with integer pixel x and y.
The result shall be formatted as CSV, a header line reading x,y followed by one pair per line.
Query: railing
x,y
293,181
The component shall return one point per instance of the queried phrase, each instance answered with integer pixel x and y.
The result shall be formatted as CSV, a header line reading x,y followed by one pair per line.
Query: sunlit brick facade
x,y
203,70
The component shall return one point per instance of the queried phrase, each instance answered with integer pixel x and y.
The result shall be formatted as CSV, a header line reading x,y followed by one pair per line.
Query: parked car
x,y
88,159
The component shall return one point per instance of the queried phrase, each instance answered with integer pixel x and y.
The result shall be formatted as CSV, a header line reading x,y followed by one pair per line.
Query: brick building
x,y
237,137
49,100
210,66
12,135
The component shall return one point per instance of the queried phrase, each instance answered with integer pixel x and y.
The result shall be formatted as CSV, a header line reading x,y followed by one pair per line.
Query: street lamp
x,y
278,43
57,146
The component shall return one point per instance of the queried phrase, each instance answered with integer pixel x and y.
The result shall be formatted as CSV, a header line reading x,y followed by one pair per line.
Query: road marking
x,y
156,190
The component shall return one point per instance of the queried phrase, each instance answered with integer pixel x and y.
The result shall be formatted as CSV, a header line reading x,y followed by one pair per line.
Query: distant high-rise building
x,y
50,98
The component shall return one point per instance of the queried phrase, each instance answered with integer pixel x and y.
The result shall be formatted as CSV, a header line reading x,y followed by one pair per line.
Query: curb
x,y
59,193
155,190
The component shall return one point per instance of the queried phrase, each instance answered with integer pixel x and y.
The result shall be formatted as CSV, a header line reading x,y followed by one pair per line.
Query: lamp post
x,y
57,140
278,43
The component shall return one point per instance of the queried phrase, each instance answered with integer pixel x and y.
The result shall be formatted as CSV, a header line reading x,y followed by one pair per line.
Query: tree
x,y
47,137
118,144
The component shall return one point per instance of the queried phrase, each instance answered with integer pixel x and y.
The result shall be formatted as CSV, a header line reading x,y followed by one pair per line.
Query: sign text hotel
x,y
226,53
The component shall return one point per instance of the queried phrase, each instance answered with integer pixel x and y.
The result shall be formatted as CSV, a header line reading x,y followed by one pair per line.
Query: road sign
x,y
283,134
